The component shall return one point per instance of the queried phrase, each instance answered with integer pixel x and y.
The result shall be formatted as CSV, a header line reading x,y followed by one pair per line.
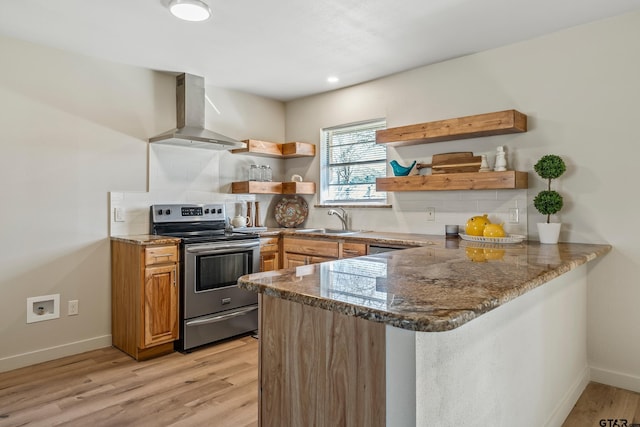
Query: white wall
x,y
580,91
73,130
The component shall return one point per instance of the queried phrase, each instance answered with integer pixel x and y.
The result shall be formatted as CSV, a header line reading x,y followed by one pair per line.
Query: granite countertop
x,y
372,237
147,239
432,288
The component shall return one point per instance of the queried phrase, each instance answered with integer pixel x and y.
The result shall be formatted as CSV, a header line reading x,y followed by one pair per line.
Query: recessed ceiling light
x,y
190,10
332,79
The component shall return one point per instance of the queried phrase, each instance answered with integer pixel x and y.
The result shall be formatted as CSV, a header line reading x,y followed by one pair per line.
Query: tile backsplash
x,y
408,215
456,207
135,206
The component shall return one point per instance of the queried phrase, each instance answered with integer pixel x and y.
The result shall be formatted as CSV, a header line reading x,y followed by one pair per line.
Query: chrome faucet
x,y
342,215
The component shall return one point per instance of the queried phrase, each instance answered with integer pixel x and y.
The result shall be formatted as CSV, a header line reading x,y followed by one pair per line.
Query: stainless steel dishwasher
x,y
378,249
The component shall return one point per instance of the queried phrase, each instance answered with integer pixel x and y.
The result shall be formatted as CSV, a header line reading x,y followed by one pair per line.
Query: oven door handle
x,y
222,317
215,249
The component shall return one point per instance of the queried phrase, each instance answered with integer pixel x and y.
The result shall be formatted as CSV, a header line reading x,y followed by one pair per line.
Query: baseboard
x,y
616,379
571,397
52,353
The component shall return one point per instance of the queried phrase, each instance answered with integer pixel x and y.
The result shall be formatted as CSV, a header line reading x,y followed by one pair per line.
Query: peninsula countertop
x,y
436,287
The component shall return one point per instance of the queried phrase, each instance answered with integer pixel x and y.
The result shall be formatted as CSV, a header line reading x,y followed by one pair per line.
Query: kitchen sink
x,y
327,231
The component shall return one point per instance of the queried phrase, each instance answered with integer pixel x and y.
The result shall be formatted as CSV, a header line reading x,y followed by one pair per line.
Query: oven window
x,y
219,271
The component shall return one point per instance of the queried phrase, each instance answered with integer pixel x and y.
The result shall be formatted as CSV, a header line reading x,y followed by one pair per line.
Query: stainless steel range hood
x,y
191,132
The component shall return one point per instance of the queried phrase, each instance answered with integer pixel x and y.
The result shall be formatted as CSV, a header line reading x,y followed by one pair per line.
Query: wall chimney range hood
x,y
190,130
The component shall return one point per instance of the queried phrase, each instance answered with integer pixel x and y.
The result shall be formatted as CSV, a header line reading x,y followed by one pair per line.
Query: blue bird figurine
x,y
399,170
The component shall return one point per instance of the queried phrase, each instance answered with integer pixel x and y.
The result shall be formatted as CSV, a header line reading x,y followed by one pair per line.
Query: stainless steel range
x,y
212,307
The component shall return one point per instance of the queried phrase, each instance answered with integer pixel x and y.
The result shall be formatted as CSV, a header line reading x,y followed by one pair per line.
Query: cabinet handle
x,y
351,251
163,256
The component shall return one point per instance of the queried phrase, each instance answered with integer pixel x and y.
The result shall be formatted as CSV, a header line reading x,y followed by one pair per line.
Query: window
x,y
350,163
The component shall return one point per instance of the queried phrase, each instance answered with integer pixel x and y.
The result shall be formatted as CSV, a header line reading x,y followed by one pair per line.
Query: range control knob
x,y
219,210
159,211
167,211
206,211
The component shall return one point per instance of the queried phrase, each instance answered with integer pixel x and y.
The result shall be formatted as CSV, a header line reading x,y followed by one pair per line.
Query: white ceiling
x,y
285,49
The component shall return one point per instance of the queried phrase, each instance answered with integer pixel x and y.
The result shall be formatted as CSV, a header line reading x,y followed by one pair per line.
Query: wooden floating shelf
x,y
262,187
287,150
298,188
298,149
507,180
256,187
498,123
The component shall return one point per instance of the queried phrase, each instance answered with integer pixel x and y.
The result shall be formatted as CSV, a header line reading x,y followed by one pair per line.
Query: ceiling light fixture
x,y
190,10
332,79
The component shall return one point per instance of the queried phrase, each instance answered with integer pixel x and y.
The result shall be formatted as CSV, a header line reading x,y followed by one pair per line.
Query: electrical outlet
x,y
431,214
73,308
513,215
118,214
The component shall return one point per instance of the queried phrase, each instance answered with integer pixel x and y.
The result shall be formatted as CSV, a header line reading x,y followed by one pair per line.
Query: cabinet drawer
x,y
160,255
311,247
269,244
350,249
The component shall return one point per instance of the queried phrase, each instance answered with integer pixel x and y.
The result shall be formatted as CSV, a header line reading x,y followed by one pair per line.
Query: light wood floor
x,y
214,386
602,402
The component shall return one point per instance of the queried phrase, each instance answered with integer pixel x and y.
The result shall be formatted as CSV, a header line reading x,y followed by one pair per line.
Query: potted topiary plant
x,y
549,202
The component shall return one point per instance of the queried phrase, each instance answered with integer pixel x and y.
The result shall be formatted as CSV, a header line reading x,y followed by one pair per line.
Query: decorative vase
x,y
399,170
549,232
484,165
501,160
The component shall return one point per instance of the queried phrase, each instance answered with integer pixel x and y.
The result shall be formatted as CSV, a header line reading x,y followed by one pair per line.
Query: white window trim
x,y
324,170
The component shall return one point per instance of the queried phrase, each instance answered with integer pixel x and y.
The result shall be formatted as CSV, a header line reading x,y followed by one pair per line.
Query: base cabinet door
x,y
269,261
160,305
294,260
144,298
299,251
269,253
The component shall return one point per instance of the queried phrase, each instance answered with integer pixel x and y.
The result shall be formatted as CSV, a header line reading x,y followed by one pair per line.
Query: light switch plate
x,y
118,214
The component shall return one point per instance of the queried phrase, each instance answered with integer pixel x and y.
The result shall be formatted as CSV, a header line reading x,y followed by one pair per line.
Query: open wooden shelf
x,y
298,187
262,187
498,123
287,150
256,187
507,180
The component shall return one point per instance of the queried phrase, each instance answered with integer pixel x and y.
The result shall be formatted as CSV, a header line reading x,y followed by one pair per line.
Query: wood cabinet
x,y
353,249
269,253
144,298
297,251
479,125
507,180
292,260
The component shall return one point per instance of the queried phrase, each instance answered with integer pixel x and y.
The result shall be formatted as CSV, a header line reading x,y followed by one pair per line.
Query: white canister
x,y
239,221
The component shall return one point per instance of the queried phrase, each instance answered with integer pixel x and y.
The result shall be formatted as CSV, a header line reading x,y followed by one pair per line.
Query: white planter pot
x,y
549,233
